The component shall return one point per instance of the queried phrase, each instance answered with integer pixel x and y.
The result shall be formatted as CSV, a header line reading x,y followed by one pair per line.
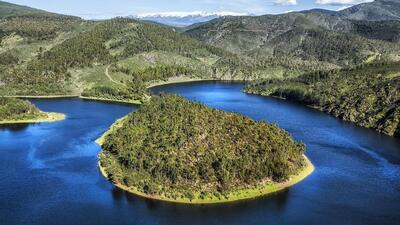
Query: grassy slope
x,y
116,41
9,10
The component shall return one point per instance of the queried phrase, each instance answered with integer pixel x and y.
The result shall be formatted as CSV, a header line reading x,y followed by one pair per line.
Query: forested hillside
x,y
176,149
377,10
12,10
325,36
58,45
61,55
366,95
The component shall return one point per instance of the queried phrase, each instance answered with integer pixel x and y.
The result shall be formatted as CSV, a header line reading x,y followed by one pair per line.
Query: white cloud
x,y
343,7
287,2
341,2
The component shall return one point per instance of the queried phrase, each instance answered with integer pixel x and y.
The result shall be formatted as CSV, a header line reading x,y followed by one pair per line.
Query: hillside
x,y
12,10
182,19
377,10
368,95
319,35
174,149
59,58
48,54
98,59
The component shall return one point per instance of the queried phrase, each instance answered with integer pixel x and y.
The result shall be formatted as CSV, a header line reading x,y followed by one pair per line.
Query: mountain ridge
x,y
10,10
377,10
183,19
268,35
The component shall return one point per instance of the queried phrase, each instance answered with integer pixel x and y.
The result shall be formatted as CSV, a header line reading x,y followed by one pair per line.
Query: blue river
x,y
49,174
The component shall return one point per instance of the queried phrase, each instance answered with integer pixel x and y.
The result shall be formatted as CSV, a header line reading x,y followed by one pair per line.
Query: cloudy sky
x,y
98,9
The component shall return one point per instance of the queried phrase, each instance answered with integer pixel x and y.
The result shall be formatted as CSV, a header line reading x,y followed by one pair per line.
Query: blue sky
x,y
97,9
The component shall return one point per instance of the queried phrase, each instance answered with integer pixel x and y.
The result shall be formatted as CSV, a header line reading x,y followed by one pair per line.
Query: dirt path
x,y
110,78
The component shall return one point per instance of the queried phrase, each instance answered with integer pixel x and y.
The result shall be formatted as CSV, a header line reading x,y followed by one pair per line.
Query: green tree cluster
x,y
17,109
367,94
176,148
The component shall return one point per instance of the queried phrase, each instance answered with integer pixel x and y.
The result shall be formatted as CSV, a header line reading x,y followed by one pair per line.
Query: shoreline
x,y
41,96
178,81
319,110
236,196
115,125
134,102
50,117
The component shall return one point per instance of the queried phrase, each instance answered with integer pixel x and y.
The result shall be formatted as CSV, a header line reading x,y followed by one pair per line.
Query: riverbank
x,y
48,117
135,102
173,80
41,96
177,80
321,109
115,125
244,194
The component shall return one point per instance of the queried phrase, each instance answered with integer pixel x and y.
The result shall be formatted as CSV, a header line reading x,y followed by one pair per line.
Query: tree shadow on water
x,y
14,127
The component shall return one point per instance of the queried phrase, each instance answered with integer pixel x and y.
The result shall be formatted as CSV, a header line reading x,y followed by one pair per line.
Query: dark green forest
x,y
367,95
17,109
176,148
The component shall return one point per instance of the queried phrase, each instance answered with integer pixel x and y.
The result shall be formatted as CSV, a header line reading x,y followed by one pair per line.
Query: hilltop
x,y
183,19
377,10
12,10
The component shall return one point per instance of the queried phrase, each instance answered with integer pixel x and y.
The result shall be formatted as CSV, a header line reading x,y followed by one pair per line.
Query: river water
x,y
49,174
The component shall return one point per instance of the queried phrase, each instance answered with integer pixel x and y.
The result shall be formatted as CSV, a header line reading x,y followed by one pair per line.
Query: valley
x,y
266,116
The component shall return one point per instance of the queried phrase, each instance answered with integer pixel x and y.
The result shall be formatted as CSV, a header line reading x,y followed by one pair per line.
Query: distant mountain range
x,y
346,37
372,11
183,19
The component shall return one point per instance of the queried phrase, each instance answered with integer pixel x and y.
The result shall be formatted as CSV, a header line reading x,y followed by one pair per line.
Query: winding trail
x,y
110,78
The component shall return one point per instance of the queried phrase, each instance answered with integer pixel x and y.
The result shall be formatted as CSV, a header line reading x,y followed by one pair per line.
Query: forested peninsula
x,y
176,150
14,111
367,95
